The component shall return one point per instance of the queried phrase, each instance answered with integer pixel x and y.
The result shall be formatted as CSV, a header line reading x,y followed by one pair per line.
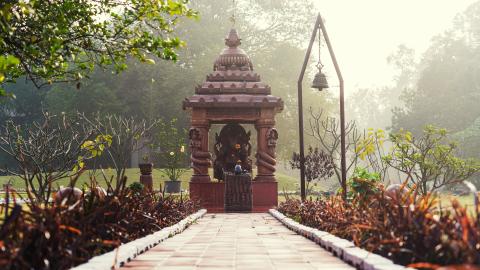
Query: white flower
x,y
172,153
182,149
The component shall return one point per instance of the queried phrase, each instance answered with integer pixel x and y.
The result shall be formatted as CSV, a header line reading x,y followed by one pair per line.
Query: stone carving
x,y
272,137
233,112
231,145
68,196
238,192
267,159
200,159
395,191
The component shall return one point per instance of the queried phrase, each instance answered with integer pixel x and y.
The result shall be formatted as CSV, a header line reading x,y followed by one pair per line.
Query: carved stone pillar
x,y
267,136
200,156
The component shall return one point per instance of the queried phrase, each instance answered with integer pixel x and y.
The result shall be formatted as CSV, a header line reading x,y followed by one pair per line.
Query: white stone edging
x,y
126,252
343,249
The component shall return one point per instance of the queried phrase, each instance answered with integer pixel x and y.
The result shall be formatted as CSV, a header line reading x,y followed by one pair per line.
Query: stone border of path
x,y
128,251
343,249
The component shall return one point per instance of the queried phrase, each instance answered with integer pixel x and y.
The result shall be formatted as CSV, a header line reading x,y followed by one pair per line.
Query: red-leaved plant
x,y
62,236
407,228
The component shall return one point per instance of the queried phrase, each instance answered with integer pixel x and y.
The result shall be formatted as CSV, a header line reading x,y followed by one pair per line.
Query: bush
x,y
363,184
59,236
430,161
318,165
407,229
47,151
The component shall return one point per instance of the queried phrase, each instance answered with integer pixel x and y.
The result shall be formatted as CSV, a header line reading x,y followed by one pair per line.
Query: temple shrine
x,y
232,95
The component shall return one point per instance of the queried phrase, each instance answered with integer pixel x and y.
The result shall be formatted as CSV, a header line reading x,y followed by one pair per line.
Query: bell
x,y
320,81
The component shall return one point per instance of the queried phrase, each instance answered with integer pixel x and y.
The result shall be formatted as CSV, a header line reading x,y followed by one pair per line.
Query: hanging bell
x,y
320,81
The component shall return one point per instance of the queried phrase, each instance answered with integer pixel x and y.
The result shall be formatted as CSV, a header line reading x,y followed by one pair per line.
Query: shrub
x,y
48,151
363,184
136,187
430,161
171,149
410,229
318,165
59,237
128,135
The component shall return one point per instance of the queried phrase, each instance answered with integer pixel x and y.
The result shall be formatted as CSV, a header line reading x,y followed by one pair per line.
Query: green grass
x,y
446,200
133,175
285,182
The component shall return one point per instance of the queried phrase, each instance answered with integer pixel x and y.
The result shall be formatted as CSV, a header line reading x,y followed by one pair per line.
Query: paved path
x,y
237,241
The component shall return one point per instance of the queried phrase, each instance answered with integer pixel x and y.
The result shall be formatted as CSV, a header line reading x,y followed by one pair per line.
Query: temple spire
x,y
232,57
232,40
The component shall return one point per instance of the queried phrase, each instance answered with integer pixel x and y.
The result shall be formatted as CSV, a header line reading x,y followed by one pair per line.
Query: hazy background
x,y
405,63
365,33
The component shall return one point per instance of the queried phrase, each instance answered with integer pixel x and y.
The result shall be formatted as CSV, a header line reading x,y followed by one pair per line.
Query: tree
x,y
363,147
51,41
152,91
94,97
370,150
445,93
48,151
444,85
429,161
326,130
28,105
469,143
8,64
126,135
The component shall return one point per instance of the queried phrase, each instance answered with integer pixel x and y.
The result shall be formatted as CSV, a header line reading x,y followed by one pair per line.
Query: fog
x,y
406,65
365,33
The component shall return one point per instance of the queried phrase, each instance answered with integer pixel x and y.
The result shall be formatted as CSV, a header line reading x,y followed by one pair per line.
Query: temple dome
x,y
233,58
233,83
233,72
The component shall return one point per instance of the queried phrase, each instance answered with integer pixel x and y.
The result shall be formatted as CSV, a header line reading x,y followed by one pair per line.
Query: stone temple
x,y
232,95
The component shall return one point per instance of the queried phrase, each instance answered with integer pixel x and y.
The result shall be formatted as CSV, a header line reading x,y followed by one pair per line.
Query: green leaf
x,y
51,54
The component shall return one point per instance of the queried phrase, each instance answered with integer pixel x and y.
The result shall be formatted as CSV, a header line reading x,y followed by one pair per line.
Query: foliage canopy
x,y
429,161
50,41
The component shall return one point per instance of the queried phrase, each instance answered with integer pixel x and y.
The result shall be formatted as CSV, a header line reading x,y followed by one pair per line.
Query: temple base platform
x,y
211,195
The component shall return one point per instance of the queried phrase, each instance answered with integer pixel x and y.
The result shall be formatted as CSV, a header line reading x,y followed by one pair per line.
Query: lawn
x,y
285,182
466,200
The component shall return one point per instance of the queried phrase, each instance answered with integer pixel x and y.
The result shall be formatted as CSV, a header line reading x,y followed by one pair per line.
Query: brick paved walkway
x,y
237,241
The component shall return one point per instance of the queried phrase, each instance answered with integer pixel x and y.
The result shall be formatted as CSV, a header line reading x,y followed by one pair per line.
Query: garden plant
x,y
410,229
47,151
170,150
64,235
318,166
88,88
60,227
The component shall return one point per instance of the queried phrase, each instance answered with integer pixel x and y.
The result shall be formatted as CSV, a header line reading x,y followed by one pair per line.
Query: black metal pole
x,y
342,109
300,110
319,25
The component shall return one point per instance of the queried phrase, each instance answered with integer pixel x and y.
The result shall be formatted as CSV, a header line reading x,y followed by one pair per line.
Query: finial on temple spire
x,y
232,39
233,19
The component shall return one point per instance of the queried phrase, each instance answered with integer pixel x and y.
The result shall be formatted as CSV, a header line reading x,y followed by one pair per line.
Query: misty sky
x,y
364,33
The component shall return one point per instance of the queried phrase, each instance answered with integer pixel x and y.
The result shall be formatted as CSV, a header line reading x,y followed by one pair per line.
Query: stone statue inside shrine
x,y
232,147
